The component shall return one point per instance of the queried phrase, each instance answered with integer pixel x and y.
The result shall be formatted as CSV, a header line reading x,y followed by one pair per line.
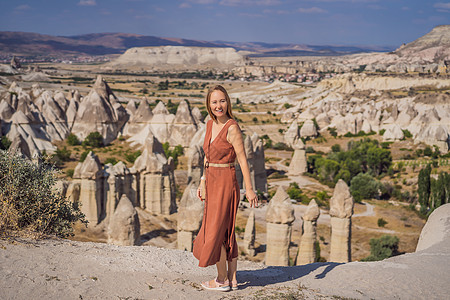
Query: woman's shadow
x,y
272,275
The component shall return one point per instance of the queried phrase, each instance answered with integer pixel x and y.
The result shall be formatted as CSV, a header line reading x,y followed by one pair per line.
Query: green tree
x,y
424,185
364,186
94,139
382,248
73,140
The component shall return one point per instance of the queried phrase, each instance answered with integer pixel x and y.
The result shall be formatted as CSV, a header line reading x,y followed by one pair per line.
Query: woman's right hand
x,y
199,192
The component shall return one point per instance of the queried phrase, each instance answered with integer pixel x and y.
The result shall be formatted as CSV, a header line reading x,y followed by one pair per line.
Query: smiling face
x,y
218,104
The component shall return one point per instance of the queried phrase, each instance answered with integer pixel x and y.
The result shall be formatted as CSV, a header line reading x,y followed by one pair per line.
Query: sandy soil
x,y
62,269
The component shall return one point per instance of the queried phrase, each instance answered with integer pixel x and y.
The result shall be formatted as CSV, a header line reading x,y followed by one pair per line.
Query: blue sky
x,y
315,22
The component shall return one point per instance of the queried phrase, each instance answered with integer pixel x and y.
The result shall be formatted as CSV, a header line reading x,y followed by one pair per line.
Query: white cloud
x,y
184,5
312,10
87,3
250,15
23,7
353,1
249,2
442,7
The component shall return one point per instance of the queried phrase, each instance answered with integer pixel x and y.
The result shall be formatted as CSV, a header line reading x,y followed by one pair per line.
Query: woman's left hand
x,y
252,198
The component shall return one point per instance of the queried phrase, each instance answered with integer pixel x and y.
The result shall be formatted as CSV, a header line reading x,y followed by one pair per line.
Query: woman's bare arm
x,y
234,137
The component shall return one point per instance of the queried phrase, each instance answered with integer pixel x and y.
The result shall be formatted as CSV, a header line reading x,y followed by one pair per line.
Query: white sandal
x,y
219,286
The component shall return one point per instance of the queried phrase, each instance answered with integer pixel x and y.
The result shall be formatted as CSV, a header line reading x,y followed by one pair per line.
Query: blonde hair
x,y
208,98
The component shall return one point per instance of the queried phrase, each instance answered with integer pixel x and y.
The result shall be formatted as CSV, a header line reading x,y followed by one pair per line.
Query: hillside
x,y
35,44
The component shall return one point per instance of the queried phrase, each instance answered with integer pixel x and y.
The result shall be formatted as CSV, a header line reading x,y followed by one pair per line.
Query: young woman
x,y
216,240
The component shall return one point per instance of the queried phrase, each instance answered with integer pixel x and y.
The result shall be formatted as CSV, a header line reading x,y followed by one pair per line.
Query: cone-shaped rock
x,y
298,164
291,134
341,210
307,251
124,227
190,215
96,113
279,217
184,126
249,235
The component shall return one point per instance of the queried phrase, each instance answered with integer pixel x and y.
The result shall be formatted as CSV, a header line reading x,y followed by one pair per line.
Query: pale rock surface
x,y
190,215
184,126
393,133
139,119
89,175
164,57
308,129
249,235
307,252
161,122
156,179
119,181
436,229
292,134
279,217
124,227
96,113
341,211
298,164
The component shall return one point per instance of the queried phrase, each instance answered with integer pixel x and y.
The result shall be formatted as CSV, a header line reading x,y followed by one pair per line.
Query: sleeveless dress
x,y
222,200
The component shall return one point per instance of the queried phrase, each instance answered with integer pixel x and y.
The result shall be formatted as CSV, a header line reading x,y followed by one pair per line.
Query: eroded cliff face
x,y
178,57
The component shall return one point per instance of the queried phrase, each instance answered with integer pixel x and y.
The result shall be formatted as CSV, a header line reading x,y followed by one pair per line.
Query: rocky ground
x,y
62,269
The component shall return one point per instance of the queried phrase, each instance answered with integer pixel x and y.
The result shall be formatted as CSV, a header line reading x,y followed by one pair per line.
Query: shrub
x,y
111,160
336,148
94,140
83,155
382,131
382,248
381,222
364,186
63,154
28,201
70,172
131,157
282,146
294,191
4,143
73,140
332,131
407,133
287,105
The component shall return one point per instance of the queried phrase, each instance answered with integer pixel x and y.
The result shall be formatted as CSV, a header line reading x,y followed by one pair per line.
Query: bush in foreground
x,y
384,247
28,201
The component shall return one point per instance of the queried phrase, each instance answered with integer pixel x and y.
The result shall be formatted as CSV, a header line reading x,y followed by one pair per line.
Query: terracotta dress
x,y
222,200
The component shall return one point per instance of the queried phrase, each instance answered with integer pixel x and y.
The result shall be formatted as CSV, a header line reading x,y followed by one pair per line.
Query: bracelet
x,y
203,178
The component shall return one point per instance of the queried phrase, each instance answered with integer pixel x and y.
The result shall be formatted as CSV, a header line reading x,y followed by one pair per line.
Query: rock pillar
x,y
249,235
307,252
124,227
298,164
279,217
190,215
88,174
341,211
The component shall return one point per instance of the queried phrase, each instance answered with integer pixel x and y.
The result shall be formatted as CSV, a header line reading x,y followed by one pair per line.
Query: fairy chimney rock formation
x,y
88,174
308,129
124,227
190,215
96,113
307,252
249,235
120,181
292,134
156,179
184,126
279,217
341,210
298,164
140,117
